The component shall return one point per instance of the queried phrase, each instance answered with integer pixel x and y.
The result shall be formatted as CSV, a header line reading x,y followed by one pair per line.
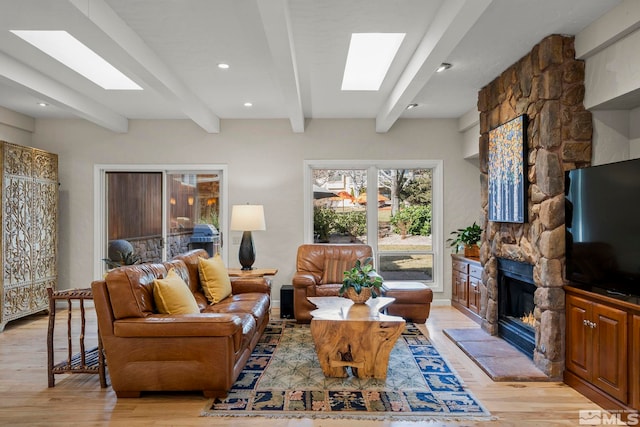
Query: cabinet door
x,y
579,351
474,294
634,395
455,277
610,371
462,284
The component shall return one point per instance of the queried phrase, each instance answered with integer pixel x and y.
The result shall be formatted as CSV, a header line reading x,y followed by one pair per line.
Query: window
x,y
395,207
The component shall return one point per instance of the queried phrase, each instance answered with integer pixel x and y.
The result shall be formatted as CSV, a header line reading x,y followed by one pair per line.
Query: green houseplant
x,y
361,281
467,237
121,253
128,258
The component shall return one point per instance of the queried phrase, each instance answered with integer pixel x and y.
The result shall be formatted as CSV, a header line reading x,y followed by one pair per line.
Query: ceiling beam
x,y
60,95
277,27
112,25
452,22
617,23
17,120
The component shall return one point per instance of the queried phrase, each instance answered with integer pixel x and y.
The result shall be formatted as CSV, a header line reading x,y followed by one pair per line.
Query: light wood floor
x,y
78,399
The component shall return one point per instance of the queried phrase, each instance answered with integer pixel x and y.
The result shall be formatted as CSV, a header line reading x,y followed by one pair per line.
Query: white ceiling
x,y
286,56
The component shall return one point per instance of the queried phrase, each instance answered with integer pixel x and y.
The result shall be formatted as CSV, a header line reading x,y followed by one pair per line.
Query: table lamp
x,y
247,218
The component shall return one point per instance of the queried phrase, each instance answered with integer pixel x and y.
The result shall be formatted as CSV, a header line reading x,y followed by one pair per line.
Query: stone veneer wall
x,y
548,85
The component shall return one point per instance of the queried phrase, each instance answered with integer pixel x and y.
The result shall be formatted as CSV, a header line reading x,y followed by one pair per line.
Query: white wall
x,y
610,48
610,136
634,133
470,143
613,72
15,127
469,126
265,165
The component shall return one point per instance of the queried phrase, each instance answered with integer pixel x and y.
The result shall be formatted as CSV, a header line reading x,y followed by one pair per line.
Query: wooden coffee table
x,y
354,335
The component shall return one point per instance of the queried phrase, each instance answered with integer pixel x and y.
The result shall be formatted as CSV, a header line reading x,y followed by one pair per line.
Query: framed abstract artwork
x,y
507,186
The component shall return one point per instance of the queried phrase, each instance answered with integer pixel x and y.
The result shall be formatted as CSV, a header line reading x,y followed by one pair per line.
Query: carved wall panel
x,y
29,230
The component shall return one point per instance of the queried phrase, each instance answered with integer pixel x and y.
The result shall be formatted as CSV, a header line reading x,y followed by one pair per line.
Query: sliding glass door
x,y
157,214
193,199
134,214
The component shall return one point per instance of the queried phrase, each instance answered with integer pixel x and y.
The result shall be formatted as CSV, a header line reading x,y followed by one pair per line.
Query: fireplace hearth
x,y
516,288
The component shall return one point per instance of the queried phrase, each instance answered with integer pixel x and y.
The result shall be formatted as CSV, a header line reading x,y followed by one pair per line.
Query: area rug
x,y
283,379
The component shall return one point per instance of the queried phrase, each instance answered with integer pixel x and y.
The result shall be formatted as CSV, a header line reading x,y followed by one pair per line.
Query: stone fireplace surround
x,y
548,85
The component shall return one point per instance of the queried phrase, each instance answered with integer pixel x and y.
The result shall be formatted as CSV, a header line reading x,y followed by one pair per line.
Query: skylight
x,y
369,58
65,48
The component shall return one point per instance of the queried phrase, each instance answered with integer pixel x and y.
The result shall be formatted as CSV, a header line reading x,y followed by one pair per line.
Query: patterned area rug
x,y
283,379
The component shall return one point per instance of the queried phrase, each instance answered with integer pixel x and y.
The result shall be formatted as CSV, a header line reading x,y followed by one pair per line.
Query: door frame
x,y
100,201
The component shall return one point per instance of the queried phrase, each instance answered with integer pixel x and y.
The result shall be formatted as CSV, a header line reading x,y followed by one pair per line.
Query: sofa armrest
x,y
303,280
182,325
243,285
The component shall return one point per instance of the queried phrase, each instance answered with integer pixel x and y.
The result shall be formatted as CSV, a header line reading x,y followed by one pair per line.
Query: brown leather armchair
x,y
319,269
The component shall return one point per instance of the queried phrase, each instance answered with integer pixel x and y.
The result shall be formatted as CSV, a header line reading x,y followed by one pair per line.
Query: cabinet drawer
x,y
475,271
460,266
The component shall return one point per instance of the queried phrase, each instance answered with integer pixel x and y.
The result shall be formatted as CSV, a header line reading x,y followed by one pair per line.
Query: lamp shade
x,y
247,218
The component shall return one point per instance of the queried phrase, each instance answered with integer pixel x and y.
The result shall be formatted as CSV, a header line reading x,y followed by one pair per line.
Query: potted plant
x,y
467,237
361,282
121,253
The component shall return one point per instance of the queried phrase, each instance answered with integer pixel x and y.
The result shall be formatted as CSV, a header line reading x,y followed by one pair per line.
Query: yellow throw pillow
x,y
334,270
214,278
173,296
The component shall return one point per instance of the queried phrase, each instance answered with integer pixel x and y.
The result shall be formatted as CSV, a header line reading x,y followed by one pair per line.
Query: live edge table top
x,y
343,309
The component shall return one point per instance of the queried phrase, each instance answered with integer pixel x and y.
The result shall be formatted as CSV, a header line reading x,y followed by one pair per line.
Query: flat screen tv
x,y
602,216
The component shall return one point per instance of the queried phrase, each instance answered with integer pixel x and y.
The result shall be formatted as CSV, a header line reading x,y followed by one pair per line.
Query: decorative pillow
x,y
173,296
334,269
214,278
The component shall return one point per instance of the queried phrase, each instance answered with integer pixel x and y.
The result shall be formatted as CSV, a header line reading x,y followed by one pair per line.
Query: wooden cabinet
x,y
466,285
610,358
634,385
460,278
597,349
578,348
29,203
474,288
602,348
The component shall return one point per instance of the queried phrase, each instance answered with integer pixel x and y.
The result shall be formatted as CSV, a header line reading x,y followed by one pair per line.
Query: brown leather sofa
x,y
147,351
308,280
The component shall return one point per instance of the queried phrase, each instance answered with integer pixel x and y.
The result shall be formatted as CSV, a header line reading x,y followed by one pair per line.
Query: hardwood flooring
x,y
25,399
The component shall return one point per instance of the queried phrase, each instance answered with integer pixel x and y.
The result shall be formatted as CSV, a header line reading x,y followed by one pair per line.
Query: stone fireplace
x,y
548,85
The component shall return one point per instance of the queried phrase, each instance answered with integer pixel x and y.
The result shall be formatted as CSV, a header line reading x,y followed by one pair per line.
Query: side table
x,y
256,272
86,361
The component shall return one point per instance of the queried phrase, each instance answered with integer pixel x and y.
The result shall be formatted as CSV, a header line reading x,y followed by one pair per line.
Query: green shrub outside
x,y
413,220
352,223
324,220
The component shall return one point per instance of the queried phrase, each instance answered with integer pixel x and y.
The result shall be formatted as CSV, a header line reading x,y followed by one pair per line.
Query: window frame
x,y
372,167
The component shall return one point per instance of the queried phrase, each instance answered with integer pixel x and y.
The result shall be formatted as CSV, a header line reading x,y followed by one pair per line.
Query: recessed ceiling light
x,y
411,106
369,58
65,48
223,66
442,67
43,104
248,104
